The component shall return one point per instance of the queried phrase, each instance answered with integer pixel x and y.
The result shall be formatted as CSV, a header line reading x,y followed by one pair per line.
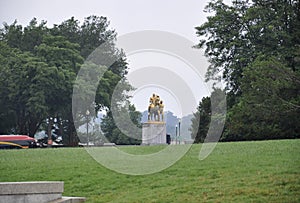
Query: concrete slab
x,y
154,133
38,187
29,198
35,192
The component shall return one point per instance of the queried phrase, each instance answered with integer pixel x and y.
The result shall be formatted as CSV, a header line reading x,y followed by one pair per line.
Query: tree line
x,y
38,68
254,46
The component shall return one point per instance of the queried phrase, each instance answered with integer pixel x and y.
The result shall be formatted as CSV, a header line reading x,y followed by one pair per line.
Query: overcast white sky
x,y
126,16
176,16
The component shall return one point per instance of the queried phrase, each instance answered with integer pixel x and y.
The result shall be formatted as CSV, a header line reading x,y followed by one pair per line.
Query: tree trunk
x,y
49,131
33,125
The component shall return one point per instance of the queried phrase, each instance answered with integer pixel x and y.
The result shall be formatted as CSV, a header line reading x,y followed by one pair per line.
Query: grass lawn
x,y
263,171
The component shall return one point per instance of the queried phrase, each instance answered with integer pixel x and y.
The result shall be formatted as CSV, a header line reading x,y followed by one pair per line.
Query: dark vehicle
x,y
16,141
42,139
168,139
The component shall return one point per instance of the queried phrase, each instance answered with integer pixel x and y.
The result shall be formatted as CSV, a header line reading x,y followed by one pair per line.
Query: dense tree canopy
x,y
114,134
201,120
38,68
254,46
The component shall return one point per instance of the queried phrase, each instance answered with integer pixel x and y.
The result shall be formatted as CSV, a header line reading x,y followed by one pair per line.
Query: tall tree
x,y
209,119
201,120
236,35
25,38
255,45
7,115
23,76
40,65
127,136
64,60
270,103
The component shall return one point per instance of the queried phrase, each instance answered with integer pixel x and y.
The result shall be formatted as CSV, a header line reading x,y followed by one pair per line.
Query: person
x,y
161,110
151,106
152,99
157,100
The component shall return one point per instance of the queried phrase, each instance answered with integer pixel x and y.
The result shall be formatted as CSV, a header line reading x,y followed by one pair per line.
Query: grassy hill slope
x,y
264,171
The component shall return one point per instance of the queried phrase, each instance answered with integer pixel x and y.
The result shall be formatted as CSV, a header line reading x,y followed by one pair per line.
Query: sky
x,y
126,16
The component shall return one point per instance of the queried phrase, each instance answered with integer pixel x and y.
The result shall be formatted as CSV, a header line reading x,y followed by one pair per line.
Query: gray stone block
x,y
29,198
30,192
38,187
154,133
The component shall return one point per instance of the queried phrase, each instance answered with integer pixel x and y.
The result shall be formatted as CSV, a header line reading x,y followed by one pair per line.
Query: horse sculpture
x,y
155,109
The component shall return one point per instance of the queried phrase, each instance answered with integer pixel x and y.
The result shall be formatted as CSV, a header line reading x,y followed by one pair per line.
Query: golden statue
x,y
161,109
155,109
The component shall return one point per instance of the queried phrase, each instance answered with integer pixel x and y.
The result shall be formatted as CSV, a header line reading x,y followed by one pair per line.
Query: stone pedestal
x,y
154,133
35,192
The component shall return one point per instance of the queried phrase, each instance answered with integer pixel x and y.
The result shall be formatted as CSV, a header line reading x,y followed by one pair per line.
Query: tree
x,y
236,35
25,38
7,115
39,67
23,76
255,44
64,60
201,120
208,121
114,134
12,34
95,32
270,102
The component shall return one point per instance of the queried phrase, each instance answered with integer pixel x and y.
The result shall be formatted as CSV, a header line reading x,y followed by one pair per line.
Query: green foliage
x,y
255,46
265,171
126,114
92,33
270,102
201,120
208,119
39,67
24,39
236,35
22,76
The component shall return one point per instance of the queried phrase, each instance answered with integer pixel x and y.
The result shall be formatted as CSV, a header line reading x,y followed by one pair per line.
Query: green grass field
x,y
264,171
